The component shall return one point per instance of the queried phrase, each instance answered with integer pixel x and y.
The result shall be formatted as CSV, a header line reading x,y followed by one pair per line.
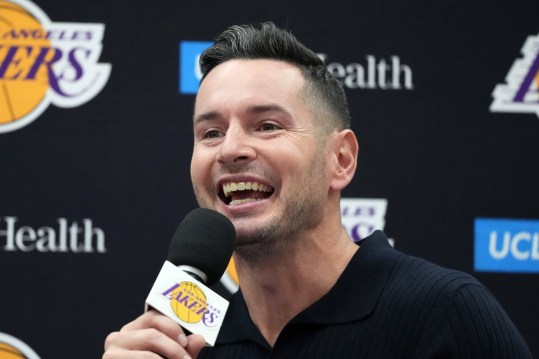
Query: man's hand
x,y
152,335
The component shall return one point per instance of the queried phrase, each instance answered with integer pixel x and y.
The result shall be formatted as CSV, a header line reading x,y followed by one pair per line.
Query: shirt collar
x,y
352,298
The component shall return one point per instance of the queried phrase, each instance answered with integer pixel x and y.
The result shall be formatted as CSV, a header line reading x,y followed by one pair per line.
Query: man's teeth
x,y
240,201
230,187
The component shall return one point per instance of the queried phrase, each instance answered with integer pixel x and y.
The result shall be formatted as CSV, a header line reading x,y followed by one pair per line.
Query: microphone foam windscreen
x,y
205,240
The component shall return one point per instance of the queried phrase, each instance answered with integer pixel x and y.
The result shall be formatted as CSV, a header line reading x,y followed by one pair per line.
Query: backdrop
x,y
96,101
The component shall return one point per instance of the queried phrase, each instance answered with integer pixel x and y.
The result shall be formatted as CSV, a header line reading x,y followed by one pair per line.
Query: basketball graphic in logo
x,y
10,352
22,87
13,348
44,62
189,302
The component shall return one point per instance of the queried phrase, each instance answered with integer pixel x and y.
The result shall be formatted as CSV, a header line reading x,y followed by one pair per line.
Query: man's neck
x,y
279,288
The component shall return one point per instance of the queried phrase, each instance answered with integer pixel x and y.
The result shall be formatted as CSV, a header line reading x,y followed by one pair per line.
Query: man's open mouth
x,y
234,193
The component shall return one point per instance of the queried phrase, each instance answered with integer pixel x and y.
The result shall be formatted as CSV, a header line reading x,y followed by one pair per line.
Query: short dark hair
x,y
322,91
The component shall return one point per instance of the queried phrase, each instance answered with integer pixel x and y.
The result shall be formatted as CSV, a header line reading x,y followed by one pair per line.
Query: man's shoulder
x,y
407,269
410,270
423,283
412,280
443,301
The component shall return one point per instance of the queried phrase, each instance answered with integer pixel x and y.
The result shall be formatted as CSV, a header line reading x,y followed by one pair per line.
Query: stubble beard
x,y
302,211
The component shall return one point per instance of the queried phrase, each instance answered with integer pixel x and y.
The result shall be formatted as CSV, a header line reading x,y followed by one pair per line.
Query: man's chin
x,y
248,232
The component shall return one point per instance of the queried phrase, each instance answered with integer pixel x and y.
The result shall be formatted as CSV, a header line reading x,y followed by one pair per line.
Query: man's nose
x,y
236,146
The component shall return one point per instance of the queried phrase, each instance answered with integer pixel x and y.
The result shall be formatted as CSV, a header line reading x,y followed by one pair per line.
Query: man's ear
x,y
345,159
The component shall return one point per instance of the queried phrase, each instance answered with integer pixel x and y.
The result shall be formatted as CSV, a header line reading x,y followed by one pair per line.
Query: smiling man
x,y
260,160
272,151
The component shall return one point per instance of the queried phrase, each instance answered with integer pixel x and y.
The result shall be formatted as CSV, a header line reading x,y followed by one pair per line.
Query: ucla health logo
x,y
190,74
374,74
44,62
506,245
13,348
521,92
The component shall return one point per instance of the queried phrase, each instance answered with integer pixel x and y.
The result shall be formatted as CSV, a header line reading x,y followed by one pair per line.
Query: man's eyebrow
x,y
253,110
212,115
259,109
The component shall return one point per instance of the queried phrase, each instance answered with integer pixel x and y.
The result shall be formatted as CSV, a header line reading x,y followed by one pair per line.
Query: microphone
x,y
199,253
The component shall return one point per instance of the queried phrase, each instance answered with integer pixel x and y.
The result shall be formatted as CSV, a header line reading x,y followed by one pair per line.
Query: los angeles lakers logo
x,y
44,62
13,348
520,93
188,302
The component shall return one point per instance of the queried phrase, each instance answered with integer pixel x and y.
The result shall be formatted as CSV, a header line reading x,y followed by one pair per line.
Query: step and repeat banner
x,y
96,101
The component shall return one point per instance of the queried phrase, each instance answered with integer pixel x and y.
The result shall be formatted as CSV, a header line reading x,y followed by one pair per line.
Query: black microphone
x,y
203,244
199,253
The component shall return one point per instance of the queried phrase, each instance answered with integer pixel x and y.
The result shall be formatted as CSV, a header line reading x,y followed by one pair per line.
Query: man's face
x,y
256,157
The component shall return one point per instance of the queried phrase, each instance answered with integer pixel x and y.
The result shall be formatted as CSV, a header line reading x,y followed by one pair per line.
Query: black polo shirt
x,y
384,305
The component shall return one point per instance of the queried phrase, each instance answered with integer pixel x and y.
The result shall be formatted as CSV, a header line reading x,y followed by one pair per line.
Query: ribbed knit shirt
x,y
384,305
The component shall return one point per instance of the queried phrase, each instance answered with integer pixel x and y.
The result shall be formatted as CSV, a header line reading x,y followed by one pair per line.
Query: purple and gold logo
x,y
44,62
521,92
190,304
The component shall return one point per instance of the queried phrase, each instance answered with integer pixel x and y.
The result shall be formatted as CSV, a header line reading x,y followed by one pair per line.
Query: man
x,y
272,151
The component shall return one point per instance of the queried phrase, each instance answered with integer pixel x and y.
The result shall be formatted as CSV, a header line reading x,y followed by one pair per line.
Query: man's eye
x,y
212,134
269,127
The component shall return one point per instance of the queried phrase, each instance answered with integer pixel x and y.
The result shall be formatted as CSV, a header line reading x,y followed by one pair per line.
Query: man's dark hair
x,y
322,91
